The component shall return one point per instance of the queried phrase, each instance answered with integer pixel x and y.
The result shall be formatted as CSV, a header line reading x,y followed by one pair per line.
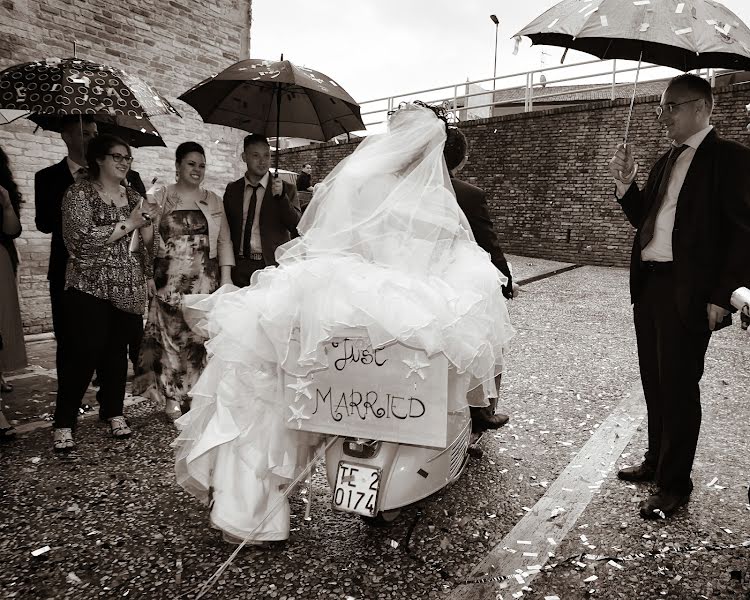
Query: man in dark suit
x,y
262,211
689,254
50,185
473,203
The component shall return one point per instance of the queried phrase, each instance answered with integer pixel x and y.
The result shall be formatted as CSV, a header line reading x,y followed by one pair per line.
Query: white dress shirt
x,y
659,249
255,242
75,168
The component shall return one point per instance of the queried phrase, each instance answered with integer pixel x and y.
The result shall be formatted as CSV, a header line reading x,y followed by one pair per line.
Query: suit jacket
x,y
711,235
473,202
50,185
278,217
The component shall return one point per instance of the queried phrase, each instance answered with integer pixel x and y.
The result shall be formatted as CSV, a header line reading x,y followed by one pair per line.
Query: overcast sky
x,y
376,48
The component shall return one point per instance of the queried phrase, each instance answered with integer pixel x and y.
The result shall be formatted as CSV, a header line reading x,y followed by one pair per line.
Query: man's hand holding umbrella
x,y
623,168
277,187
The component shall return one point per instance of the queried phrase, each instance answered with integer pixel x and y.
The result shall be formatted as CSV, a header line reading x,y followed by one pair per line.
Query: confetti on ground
x,y
40,551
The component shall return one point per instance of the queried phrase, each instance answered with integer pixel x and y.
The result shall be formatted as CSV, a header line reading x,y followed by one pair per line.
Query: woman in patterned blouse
x,y
105,286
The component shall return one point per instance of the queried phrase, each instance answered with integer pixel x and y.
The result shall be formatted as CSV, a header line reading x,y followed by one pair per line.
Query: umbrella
x,y
684,35
276,98
136,131
72,86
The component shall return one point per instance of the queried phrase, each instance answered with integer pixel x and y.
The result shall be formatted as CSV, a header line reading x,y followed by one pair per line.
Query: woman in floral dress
x,y
194,256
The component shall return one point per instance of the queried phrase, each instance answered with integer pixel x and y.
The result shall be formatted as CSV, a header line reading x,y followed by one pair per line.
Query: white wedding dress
x,y
384,248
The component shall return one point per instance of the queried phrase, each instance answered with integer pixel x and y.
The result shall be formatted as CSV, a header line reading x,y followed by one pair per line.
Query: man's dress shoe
x,y
482,420
642,472
662,503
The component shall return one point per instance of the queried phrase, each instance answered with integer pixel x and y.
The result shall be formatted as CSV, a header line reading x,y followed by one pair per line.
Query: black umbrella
x,y
684,35
275,99
138,132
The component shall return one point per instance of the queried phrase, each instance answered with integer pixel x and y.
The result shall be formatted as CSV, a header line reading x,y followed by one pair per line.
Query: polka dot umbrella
x,y
72,86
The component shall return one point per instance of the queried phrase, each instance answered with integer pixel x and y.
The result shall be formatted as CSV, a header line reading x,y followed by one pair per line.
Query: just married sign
x,y
394,394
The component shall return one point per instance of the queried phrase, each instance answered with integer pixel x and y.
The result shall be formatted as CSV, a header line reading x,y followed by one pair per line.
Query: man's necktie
x,y
81,173
249,220
647,229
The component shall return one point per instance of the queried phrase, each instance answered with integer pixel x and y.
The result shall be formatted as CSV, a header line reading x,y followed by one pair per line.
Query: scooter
x,y
377,479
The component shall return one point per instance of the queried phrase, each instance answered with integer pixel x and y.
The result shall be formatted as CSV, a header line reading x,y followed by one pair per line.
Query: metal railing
x,y
531,86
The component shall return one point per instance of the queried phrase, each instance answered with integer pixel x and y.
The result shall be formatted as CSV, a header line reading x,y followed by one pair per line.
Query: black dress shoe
x,y
484,422
662,503
642,472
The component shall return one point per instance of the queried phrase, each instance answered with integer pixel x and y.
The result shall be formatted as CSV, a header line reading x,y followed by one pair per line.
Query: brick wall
x,y
545,173
171,44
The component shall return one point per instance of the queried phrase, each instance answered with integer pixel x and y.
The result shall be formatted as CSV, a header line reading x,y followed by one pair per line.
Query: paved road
x,y
540,516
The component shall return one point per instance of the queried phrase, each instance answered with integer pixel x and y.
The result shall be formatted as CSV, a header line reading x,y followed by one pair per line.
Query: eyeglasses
x,y
121,158
670,106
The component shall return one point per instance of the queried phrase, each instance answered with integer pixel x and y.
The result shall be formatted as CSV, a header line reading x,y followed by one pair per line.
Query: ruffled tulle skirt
x,y
234,448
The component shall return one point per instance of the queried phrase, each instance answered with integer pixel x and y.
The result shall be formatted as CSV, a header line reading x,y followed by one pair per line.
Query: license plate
x,y
356,489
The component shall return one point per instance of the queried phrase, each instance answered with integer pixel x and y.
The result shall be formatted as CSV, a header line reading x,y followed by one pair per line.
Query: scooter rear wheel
x,y
383,519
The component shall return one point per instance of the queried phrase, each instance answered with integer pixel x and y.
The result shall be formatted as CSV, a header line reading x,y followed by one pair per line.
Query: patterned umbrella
x,y
71,86
682,34
276,98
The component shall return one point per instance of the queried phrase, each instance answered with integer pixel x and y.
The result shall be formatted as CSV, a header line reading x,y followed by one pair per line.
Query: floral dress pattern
x,y
172,356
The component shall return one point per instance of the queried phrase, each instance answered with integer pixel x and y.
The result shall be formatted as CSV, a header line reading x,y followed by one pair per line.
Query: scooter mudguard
x,y
411,473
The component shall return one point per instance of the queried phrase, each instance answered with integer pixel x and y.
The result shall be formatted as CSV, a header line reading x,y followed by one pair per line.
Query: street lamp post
x,y
494,71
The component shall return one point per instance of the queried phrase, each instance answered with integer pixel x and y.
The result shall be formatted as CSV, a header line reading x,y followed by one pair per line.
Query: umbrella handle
x,y
278,118
632,99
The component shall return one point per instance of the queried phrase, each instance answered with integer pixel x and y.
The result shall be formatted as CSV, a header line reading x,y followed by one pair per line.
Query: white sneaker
x,y
62,440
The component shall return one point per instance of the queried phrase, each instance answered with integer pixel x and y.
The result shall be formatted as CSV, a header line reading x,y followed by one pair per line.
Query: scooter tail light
x,y
361,448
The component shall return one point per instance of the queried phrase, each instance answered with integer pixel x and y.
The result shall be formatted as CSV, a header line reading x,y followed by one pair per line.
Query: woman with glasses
x,y
105,286
194,256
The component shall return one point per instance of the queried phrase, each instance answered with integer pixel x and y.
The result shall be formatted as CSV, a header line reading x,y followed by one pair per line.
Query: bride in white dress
x,y
383,248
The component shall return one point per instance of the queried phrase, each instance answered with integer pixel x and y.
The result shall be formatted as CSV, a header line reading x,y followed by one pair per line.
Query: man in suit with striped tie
x,y
263,211
689,255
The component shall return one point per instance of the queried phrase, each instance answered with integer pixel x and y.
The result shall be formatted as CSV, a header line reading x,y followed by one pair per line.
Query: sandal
x,y
5,387
119,428
7,434
62,440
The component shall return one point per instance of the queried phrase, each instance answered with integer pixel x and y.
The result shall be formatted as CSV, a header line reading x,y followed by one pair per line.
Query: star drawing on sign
x,y
300,388
415,366
297,415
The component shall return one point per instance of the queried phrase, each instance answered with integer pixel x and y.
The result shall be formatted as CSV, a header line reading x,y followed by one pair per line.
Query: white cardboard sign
x,y
394,394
